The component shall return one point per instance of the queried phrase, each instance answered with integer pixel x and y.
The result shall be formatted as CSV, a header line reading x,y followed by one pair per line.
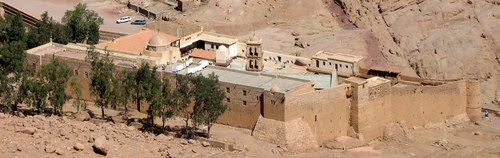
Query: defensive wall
x,y
375,106
302,118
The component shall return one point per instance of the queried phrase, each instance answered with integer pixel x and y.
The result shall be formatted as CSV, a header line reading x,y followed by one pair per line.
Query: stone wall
x,y
326,112
420,105
238,114
416,105
373,110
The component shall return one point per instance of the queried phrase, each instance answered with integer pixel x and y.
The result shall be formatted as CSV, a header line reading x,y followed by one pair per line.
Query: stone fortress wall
x,y
416,105
304,118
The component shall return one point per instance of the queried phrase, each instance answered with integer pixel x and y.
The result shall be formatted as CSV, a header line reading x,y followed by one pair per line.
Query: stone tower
x,y
254,54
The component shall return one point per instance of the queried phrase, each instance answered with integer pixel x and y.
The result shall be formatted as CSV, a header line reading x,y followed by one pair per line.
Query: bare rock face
x,y
441,40
100,146
82,116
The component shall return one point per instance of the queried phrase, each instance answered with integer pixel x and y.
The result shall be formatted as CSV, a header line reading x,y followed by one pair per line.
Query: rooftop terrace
x,y
252,79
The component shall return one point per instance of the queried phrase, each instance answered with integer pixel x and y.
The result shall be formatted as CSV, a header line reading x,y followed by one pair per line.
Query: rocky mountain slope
x,y
441,39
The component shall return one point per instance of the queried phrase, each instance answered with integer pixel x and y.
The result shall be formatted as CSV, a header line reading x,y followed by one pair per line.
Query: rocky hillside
x,y
441,39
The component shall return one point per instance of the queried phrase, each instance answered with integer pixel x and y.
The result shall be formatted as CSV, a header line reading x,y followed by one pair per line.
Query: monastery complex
x,y
297,102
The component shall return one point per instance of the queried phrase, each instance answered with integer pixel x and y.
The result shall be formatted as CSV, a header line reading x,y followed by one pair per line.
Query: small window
x,y
330,63
228,100
228,90
76,72
244,102
244,93
273,102
324,63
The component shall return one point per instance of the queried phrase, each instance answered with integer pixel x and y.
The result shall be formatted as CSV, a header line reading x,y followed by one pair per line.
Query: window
x,y
228,90
228,100
330,63
76,72
324,63
244,93
273,102
244,102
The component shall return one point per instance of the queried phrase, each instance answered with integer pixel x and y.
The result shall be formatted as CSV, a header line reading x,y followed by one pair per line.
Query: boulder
x,y
205,144
26,130
190,141
100,146
20,114
79,147
117,119
39,117
60,151
50,149
137,125
82,116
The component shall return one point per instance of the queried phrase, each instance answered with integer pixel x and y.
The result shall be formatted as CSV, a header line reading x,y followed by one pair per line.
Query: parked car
x,y
123,19
139,22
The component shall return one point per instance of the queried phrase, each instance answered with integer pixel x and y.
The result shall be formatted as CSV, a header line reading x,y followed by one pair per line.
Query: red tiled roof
x,y
203,54
134,43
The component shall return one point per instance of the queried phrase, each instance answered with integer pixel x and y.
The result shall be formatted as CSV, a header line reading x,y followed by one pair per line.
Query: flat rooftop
x,y
337,56
77,52
253,79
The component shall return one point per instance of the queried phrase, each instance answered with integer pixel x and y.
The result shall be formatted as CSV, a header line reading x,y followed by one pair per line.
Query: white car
x,y
124,19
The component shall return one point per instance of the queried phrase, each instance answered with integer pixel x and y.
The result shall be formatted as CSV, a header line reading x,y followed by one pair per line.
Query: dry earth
x,y
54,136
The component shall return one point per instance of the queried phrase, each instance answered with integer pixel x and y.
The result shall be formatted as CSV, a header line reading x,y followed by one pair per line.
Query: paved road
x,y
57,8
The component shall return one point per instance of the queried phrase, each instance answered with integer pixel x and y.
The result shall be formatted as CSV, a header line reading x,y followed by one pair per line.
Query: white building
x,y
344,64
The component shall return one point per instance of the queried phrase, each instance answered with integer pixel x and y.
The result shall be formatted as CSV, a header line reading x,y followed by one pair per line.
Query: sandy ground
x,y
108,10
461,140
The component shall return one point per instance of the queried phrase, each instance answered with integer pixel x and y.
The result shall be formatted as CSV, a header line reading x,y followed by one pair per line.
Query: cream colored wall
x,y
373,110
326,112
420,105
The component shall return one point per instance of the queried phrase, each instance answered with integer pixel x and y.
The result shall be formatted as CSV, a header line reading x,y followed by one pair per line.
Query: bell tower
x,y
254,54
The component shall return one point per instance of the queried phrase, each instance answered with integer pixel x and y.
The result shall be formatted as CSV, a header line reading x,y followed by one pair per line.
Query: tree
x,y
182,97
42,32
12,56
101,77
12,29
60,34
121,92
80,22
166,109
127,81
76,92
153,95
35,91
142,85
93,35
56,74
209,98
